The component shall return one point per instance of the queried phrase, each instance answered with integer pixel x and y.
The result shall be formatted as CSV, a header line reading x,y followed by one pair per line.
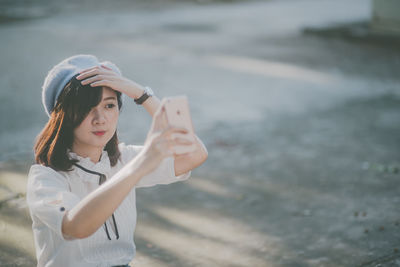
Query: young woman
x,y
81,191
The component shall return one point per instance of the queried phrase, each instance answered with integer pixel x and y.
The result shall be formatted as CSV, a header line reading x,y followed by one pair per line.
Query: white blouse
x,y
50,194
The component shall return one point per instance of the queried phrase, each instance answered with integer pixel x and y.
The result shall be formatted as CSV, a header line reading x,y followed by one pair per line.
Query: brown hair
x,y
72,107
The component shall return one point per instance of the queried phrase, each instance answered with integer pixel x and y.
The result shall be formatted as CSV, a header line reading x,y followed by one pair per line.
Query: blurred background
x,y
297,101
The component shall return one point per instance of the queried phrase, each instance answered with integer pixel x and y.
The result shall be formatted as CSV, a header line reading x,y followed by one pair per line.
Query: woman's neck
x,y
93,153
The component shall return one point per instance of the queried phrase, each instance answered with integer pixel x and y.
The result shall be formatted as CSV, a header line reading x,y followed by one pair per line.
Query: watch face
x,y
149,91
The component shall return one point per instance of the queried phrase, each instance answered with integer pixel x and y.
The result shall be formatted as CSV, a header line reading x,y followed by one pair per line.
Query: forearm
x,y
91,212
185,163
152,104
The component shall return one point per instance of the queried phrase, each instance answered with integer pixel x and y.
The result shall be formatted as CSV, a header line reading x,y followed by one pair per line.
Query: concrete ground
x,y
297,101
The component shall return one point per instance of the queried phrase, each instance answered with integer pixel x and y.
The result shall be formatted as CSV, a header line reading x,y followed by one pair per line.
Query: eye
x,y
110,105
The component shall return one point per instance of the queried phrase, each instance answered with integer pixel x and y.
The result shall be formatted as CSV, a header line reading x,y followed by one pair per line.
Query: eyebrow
x,y
110,97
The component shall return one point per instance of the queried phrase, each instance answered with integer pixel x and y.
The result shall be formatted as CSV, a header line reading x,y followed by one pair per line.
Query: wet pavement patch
x,y
390,260
356,32
189,27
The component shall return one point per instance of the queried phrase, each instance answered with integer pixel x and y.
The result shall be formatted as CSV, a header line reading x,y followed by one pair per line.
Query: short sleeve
x,y
49,197
163,174
128,152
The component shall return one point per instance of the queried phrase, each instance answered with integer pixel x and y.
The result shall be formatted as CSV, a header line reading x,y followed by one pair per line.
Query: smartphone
x,y
178,114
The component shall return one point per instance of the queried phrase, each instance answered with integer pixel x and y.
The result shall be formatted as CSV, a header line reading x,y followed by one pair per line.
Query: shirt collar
x,y
102,166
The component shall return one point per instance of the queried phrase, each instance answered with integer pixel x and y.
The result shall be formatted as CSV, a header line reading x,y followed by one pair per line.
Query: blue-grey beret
x,y
62,73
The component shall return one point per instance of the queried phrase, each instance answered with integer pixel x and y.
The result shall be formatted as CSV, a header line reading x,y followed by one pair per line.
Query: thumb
x,y
160,119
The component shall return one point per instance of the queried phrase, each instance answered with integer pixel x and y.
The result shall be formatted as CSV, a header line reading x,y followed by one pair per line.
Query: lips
x,y
99,133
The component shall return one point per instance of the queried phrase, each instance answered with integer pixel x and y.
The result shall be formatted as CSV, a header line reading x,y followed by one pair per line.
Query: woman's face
x,y
99,125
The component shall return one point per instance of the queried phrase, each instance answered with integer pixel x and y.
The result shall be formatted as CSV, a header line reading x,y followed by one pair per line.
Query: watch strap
x,y
144,97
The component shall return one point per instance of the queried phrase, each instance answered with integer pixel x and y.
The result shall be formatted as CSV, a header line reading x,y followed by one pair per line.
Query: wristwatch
x,y
146,94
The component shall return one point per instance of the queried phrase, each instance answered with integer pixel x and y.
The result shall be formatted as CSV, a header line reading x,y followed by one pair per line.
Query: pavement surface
x,y
297,101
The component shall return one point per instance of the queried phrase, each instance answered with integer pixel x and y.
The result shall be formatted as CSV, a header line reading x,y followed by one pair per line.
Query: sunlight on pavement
x,y
210,187
13,181
141,259
17,237
217,239
270,69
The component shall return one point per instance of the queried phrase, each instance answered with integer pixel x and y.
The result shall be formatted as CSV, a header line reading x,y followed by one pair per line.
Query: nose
x,y
98,117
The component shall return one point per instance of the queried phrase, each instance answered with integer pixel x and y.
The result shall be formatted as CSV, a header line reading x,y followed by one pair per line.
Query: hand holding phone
x,y
178,114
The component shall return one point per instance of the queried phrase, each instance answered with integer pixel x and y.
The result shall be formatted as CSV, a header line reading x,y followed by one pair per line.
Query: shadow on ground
x,y
324,185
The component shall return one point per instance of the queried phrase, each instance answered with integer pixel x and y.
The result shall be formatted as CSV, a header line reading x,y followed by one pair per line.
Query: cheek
x,y
114,119
82,129
78,133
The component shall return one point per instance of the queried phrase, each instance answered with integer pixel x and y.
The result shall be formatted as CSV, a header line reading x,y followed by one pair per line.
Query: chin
x,y
100,143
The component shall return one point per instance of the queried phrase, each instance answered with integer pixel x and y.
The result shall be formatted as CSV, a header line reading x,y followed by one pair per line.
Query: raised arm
x,y
92,211
104,76
186,162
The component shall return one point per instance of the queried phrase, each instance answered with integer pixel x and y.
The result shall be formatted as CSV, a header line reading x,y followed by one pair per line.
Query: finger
x,y
159,112
96,78
181,141
166,146
90,79
184,149
172,129
88,69
177,146
187,136
91,72
95,67
108,68
159,119
106,83
86,74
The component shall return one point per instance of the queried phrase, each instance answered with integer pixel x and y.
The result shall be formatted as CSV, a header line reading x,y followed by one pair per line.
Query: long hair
x,y
72,107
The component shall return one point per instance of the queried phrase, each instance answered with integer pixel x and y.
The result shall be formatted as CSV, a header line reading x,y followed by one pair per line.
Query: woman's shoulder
x,y
45,183
40,169
39,173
